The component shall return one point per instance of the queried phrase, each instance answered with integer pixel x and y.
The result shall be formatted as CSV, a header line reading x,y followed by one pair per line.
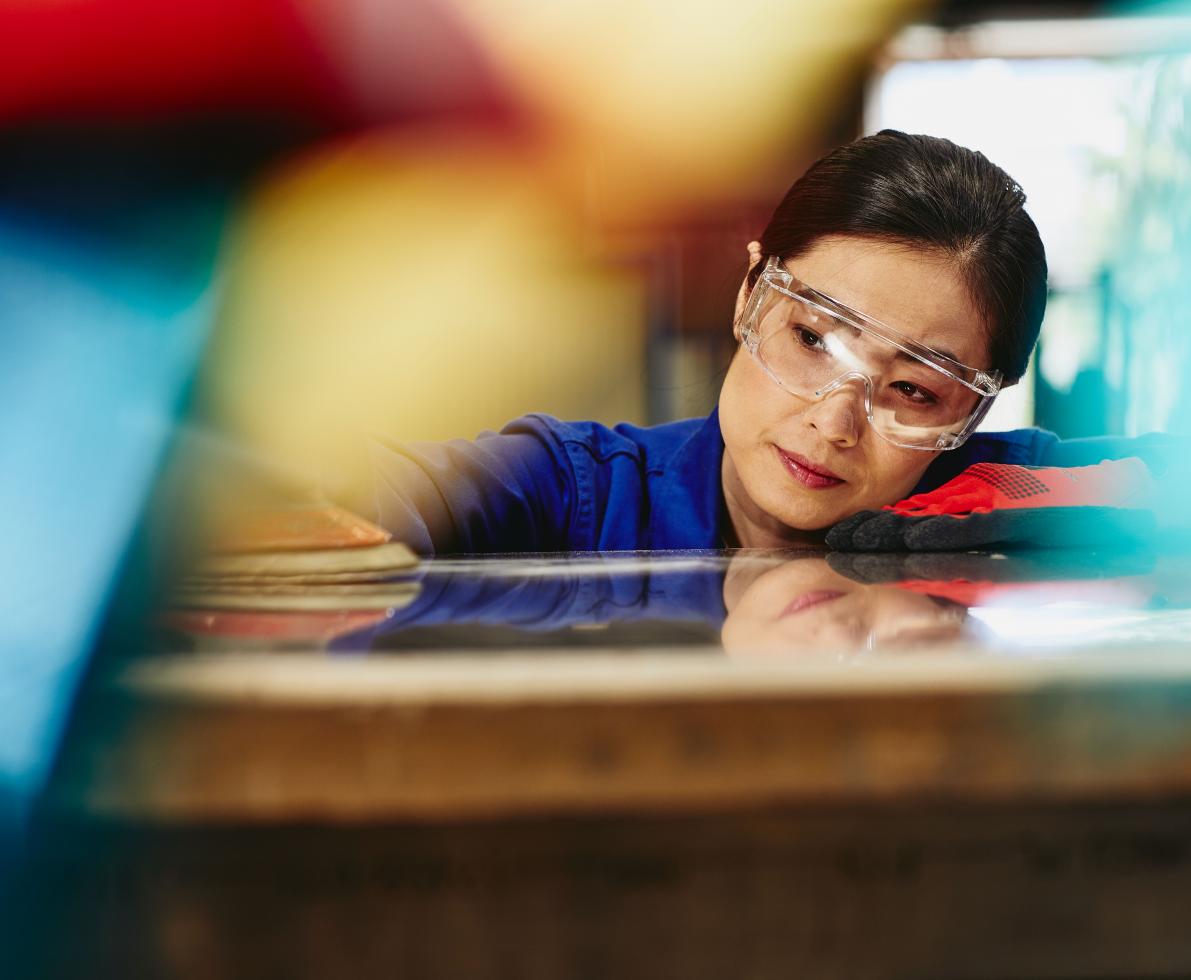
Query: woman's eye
x,y
808,338
920,396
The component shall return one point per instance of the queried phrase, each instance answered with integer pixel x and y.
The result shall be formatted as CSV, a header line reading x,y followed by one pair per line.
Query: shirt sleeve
x,y
1021,447
1157,450
512,491
1038,447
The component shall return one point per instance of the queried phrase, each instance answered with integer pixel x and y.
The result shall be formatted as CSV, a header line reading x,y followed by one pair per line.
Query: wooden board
x,y
292,737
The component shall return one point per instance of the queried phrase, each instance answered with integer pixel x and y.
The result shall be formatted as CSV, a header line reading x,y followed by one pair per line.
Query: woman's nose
x,y
838,416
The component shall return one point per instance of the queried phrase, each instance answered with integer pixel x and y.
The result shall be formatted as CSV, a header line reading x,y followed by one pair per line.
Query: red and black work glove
x,y
1004,505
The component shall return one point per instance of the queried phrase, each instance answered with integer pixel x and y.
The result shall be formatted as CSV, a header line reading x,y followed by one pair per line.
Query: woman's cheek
x,y
896,472
738,411
751,405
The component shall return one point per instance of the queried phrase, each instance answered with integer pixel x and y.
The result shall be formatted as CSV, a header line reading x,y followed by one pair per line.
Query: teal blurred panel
x,y
1148,347
104,309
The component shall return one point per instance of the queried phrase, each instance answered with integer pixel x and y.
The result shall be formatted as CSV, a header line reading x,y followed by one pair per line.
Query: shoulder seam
x,y
600,457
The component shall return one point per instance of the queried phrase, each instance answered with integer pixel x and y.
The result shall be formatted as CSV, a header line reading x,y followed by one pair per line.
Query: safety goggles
x,y
812,346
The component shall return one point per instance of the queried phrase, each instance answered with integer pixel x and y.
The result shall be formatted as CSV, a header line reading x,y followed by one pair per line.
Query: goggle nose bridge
x,y
837,383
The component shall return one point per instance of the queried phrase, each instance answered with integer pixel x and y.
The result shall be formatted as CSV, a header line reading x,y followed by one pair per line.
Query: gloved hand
x,y
1004,505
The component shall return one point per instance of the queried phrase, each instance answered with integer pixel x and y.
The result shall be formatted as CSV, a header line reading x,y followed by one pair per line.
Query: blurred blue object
x,y
106,298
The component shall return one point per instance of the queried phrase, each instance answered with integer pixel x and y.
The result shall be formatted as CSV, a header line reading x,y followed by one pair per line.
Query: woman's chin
x,y
783,515
809,520
800,529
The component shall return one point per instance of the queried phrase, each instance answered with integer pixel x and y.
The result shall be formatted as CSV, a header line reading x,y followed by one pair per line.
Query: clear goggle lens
x,y
812,346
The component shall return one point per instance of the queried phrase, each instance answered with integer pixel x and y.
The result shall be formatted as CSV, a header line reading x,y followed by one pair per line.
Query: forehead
x,y
916,291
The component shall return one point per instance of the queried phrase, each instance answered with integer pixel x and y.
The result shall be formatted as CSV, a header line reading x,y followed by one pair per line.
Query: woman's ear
x,y
754,250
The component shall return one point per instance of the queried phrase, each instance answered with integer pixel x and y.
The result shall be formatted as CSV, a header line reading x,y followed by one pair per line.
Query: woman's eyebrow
x,y
901,354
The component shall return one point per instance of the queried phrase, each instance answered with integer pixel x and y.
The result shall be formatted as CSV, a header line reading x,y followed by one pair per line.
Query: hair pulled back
x,y
926,192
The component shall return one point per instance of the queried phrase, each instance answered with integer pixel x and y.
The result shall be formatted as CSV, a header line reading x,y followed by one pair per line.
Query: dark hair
x,y
926,192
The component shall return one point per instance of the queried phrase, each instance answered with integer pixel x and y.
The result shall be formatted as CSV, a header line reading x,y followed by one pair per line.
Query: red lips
x,y
809,599
809,474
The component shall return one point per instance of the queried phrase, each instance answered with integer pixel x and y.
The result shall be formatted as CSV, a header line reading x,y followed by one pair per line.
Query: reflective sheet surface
x,y
741,604
646,682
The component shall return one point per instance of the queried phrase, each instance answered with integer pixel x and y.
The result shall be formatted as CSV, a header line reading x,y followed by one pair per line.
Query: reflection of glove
x,y
1022,578
1001,504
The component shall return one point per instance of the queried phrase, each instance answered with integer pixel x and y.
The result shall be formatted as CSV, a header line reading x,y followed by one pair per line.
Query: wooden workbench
x,y
636,807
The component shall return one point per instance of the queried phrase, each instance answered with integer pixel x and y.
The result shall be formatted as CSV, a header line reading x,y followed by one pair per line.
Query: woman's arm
x,y
504,492
1031,491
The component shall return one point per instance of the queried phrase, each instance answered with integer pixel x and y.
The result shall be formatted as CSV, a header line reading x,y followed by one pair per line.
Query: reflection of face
x,y
771,436
805,604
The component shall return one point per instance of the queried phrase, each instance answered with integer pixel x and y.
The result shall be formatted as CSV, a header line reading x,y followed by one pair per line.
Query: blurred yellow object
x,y
657,107
418,289
431,285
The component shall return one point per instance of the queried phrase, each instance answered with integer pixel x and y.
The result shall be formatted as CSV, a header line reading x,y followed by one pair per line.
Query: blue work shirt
x,y
541,484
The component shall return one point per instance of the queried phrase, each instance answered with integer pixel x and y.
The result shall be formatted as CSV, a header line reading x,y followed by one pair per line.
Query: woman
x,y
898,287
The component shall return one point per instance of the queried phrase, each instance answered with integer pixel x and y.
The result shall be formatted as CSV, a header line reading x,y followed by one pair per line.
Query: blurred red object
x,y
308,627
308,58
144,56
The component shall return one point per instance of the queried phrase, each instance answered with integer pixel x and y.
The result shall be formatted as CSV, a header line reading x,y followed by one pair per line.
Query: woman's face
x,y
805,605
771,437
